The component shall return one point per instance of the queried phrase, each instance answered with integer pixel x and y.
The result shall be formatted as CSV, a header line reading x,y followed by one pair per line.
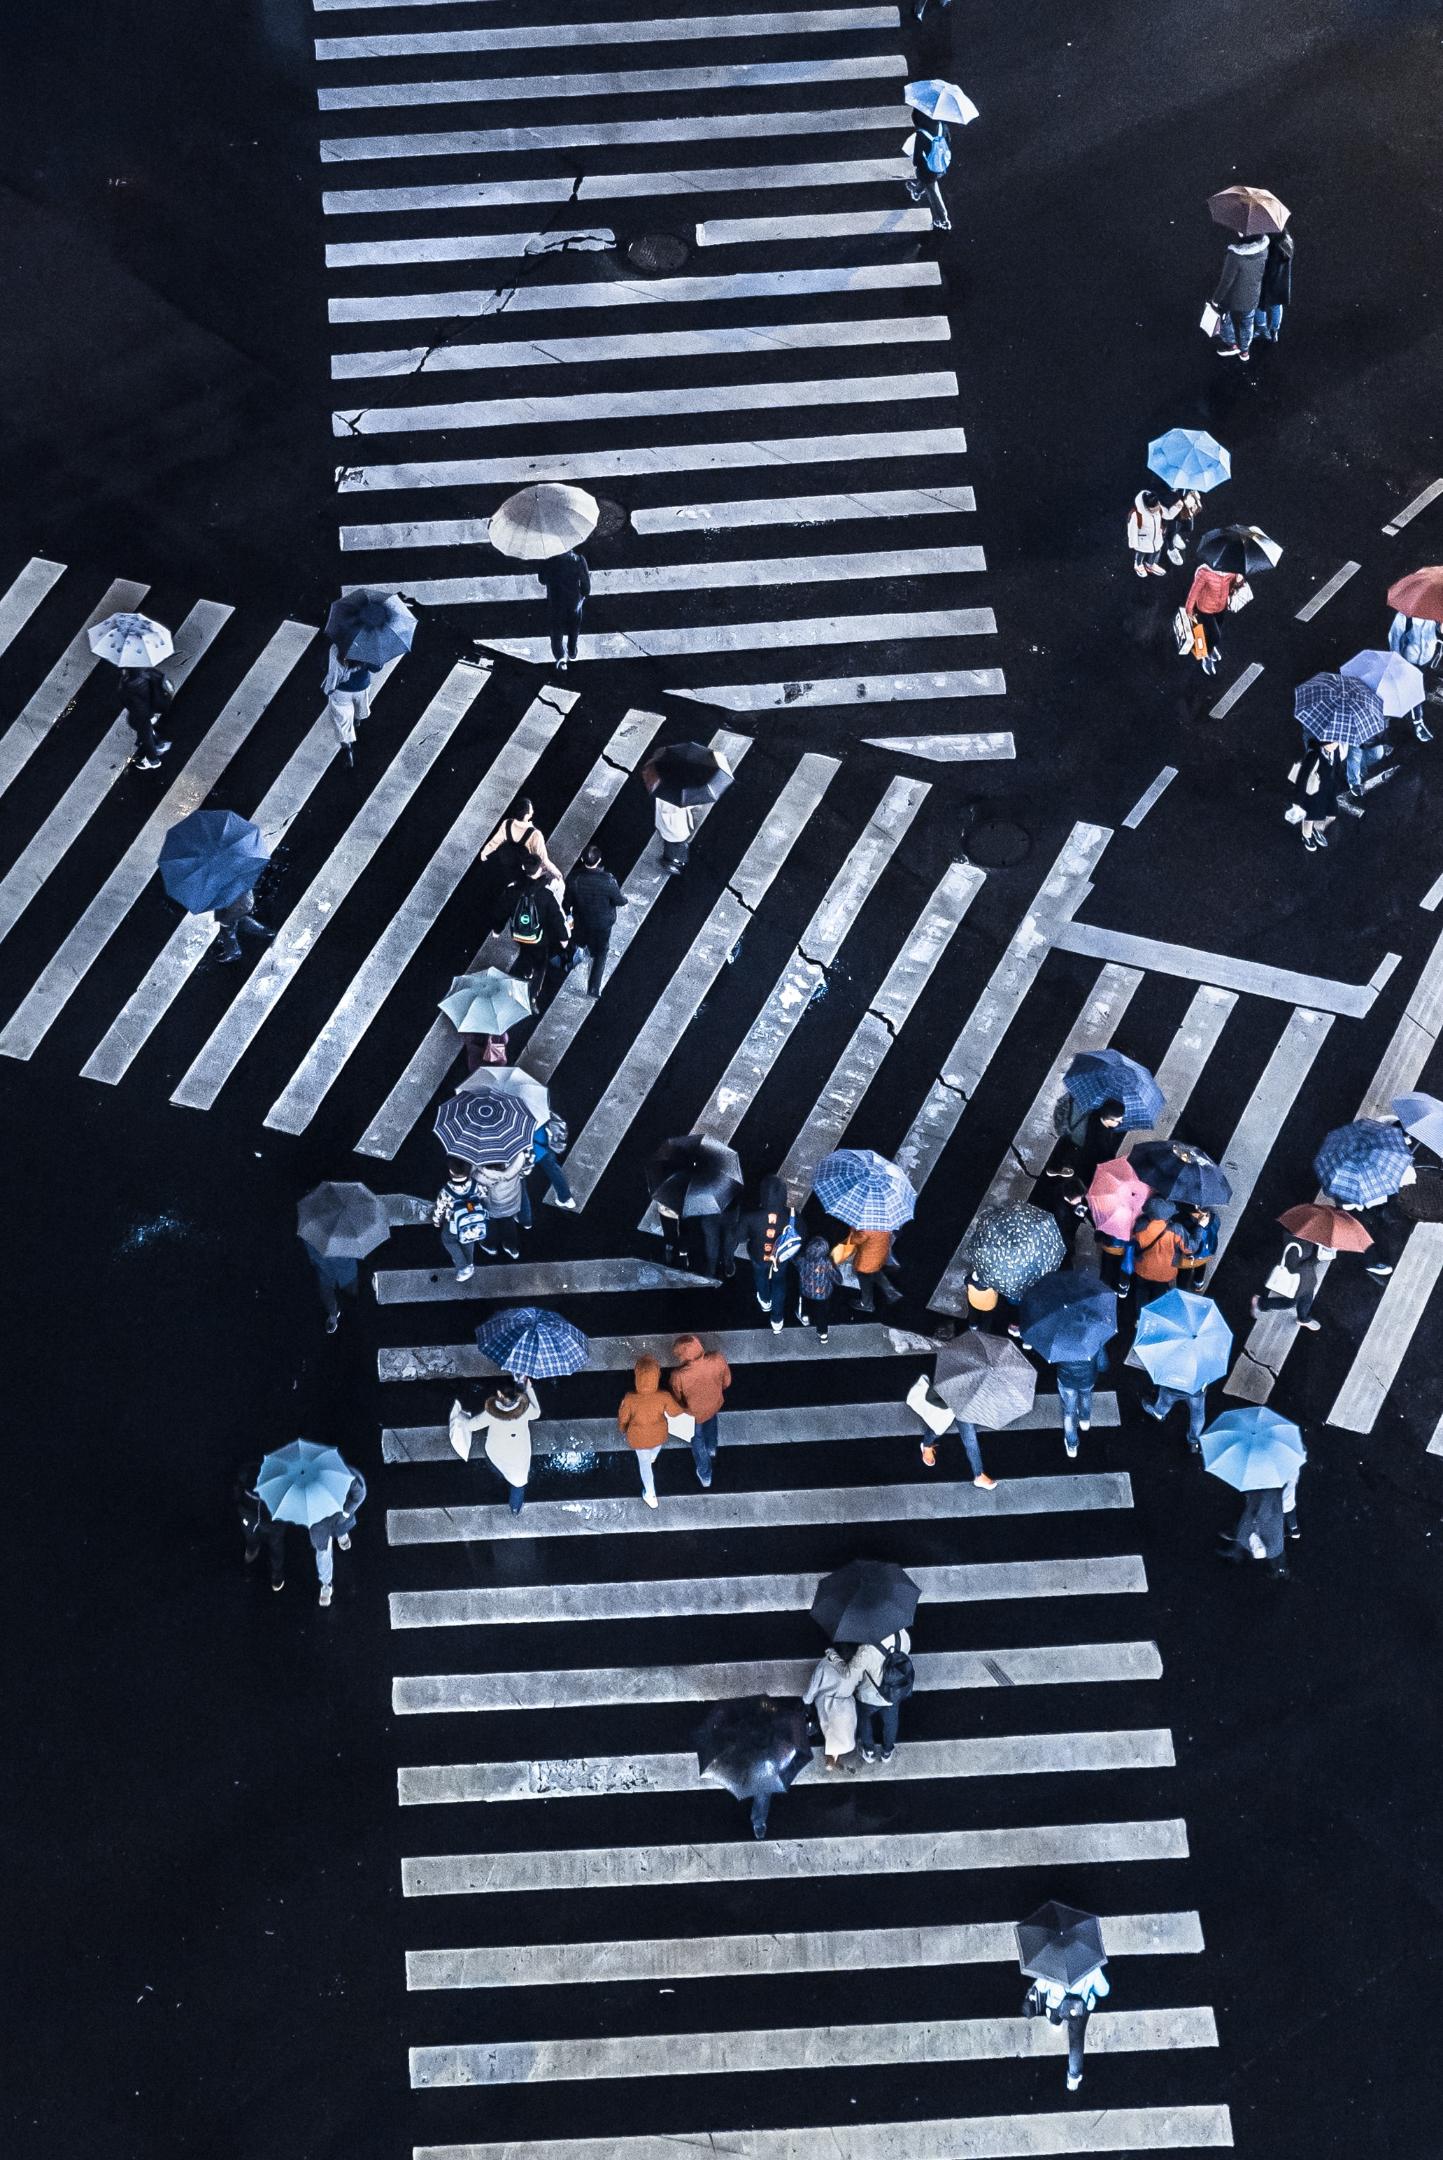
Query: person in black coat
x,y
1277,290
146,694
537,926
592,899
567,581
1239,289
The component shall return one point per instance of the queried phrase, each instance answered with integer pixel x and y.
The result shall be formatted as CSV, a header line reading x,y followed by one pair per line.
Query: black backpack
x,y
898,1677
527,928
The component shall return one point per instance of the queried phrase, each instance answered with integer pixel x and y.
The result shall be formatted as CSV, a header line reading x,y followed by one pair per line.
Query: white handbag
x,y
458,1429
682,1426
1210,320
937,1417
1239,597
1283,1282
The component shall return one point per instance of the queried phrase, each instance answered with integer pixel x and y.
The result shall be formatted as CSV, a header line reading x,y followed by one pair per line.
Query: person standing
x,y
1075,1380
1415,638
502,1186
507,1418
676,823
334,1272
642,1420
336,1530
1239,289
568,582
460,1216
699,1380
939,1417
931,159
831,1692
1153,1253
881,1679
1197,1227
870,1253
1209,597
1292,1285
238,915
773,1242
1070,2005
1085,1138
146,694
1277,287
718,1235
348,699
819,1276
592,900
1182,513
1145,534
1259,1532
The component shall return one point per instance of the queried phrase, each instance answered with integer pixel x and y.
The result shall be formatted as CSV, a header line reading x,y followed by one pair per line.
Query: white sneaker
x,y
651,1499
464,1274
1073,2082
777,1327
344,1543
569,1205
325,1593
764,1302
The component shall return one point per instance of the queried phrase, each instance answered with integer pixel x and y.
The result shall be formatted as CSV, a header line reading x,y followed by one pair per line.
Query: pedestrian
x,y
1085,1138
1153,1253
568,582
985,1309
819,1276
260,1526
832,1693
1071,2004
644,1419
1239,289
773,1243
1315,777
1277,288
869,1253
882,1678
1292,1285
1416,638
676,823
1209,596
717,1235
1182,513
506,1419
931,158
1075,1380
699,1380
939,1417
336,1530
1198,1229
592,900
516,842
238,915
1146,533
348,699
548,1144
460,1216
1387,1229
538,929
1259,1532
334,1272
146,694
503,1192
1165,1399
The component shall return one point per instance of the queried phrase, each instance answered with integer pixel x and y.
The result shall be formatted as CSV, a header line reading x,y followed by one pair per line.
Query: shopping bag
x,y
1239,597
1210,320
682,1426
1182,632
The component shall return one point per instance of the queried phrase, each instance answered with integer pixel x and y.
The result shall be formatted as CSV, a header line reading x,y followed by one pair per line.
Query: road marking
x,y
808,509
1435,1445
619,1353
614,187
1324,593
466,247
1433,895
689,128
839,390
853,690
1149,796
754,636
1391,1329
946,749
1420,502
663,461
1268,1106
767,339
775,285
1253,978
821,225
52,701
628,82
1183,1061
531,1280
1244,682
760,573
24,596
673,30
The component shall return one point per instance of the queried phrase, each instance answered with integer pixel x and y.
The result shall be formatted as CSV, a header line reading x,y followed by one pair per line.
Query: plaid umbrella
x,y
1339,708
1363,1163
1240,550
1068,1317
1189,458
1013,1246
370,628
303,1482
342,1222
1398,683
753,1746
1328,1227
1248,210
509,1080
1098,1076
1182,1341
127,640
533,1343
865,1600
1253,1450
1420,593
687,773
210,858
985,1379
864,1190
1183,1174
694,1175
484,1128
1116,1197
1060,1944
1421,1117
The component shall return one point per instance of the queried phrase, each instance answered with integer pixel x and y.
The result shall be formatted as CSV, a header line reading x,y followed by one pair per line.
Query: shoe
x,y
464,1274
822,1334
568,1205
1084,1424
160,747
1229,352
888,1753
915,189
1071,1446
146,764
333,1321
1151,1410
1156,570
987,1484
344,1542
704,1482
350,754
929,1455
764,1302
1424,734
1380,1273
1312,1326
489,1250
560,665
651,1499
777,1326
759,1829
867,1754
512,1252
279,1585
222,959
1073,2082
1295,1533
941,224
1138,570
325,1593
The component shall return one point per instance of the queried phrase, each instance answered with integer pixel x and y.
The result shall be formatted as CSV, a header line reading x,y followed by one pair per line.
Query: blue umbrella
x,y
1253,1450
1398,683
1363,1163
533,1343
370,627
1339,708
304,1483
1098,1076
1067,1317
1189,458
210,858
1182,1341
1186,1175
864,1190
489,1127
941,100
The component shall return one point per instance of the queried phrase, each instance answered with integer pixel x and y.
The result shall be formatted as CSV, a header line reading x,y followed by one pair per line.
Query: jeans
x,y
1076,2040
325,1561
595,945
1167,1398
704,1443
868,1715
554,1175
516,1494
771,1284
970,1447
646,1464
1360,757
1268,321
334,1275
461,1255
146,745
1076,1403
1237,330
761,1808
564,624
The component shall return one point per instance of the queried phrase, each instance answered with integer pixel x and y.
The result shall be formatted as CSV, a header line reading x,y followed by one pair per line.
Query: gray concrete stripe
x,y
762,573
794,634
24,596
808,509
1406,515
1183,1061
628,82
963,2137
1433,895
670,30
616,187
721,287
662,461
38,715
1150,796
1325,593
465,247
1379,1355
765,340
1252,978
904,218
851,690
1257,1129
626,134
618,1353
833,391
531,1280
948,749
1230,696
1435,1444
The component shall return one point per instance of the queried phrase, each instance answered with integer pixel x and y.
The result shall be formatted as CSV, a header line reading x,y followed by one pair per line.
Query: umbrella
x,y
1326,1226
533,1343
1182,1341
1068,1317
342,1222
1098,1076
487,1003
484,1128
1419,593
1240,550
694,1175
1339,708
1189,458
1249,210
754,1746
1183,1174
1253,1450
941,101
687,773
863,1189
210,858
1398,683
304,1483
1363,1163
865,1600
1421,1117
1116,1197
131,641
370,628
509,1080
545,520
985,1379
1011,1247
1060,1944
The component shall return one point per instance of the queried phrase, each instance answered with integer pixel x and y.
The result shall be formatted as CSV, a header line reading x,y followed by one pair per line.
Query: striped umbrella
x,y
1398,683
1098,1076
864,1190
538,522
1011,1247
1339,708
1363,1163
985,1379
484,1128
533,1343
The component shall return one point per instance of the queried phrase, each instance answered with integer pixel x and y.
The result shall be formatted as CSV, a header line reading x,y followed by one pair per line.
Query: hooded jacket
x,y
700,1378
763,1224
1144,524
1240,285
502,1186
1278,271
644,1410
868,1250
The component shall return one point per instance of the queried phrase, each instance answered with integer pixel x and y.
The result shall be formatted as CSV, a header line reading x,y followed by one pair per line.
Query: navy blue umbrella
x,y
1067,1317
1363,1163
1098,1076
210,858
1339,708
1180,1173
371,628
489,1127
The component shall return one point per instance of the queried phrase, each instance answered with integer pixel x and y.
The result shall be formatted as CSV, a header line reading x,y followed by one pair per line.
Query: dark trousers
x,y
596,943
708,1231
817,1309
271,1535
1076,2041
869,1285
674,853
868,1717
564,624
143,729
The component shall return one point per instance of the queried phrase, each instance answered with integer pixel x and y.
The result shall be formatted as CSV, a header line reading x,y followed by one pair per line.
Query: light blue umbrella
x,y
1189,458
1182,1341
1422,1119
1362,1164
864,1190
1098,1076
1399,685
304,1482
1067,1317
533,1343
941,101
1253,1450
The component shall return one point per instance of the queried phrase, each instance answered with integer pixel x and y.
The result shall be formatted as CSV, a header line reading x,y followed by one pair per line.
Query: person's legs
x,y
325,1568
274,1534
704,1443
516,1494
1076,2042
867,1730
462,1257
573,630
1275,320
1242,332
940,220
674,854
867,1293
1164,1399
505,1233
556,621
554,1175
330,1303
762,1284
890,1294
970,1448
646,1464
342,709
761,1808
1196,1418
890,1717
1069,1396
597,947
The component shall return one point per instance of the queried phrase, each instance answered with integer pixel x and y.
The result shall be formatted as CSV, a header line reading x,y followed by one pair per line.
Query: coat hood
x,y
647,1375
1259,246
1140,502
772,1196
687,1349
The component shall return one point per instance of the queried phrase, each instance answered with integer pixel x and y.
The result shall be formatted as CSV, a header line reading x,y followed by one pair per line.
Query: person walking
x,y
676,823
819,1276
1208,597
1165,1399
348,699
1197,1228
567,580
717,1235
773,1243
1416,638
1146,531
548,1144
832,1693
1292,1285
503,1193
262,1531
1277,288
592,900
230,920
506,1419
1239,289
334,1273
516,842
939,1417
643,1420
1259,1532
1075,1381
460,1216
881,1678
870,1255
699,1380
537,928
1085,1138
931,159
335,1530
1070,2004
1153,1254
146,695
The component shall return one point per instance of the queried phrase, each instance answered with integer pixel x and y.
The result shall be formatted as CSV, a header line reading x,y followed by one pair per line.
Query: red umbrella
x,y
1327,1226
1249,210
1419,593
1117,1196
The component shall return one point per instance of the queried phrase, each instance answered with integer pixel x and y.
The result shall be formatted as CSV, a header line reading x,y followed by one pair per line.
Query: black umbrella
x,y
687,772
692,1175
1060,1944
1240,550
754,1746
865,1600
1177,1171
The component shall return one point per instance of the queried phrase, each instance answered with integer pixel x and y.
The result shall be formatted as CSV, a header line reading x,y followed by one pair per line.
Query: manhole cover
x,y
613,519
998,845
656,253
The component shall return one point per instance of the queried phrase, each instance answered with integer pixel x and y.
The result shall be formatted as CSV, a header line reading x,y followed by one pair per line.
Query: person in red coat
x,y
1208,597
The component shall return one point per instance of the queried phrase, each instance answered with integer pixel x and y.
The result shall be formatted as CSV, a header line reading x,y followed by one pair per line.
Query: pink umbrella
x,y
1117,1197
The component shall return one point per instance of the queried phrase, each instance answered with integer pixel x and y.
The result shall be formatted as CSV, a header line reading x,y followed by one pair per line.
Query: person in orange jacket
x,y
699,1381
870,1252
1155,1253
643,1419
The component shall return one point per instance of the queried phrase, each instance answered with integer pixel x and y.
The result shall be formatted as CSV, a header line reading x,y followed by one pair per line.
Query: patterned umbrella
x,y
694,1175
1363,1163
1098,1076
303,1482
864,1190
1183,1174
753,1746
131,641
484,1128
1189,458
1398,683
687,773
1420,593
1253,1450
1421,1117
370,628
210,858
1060,1944
533,1343
1013,1246
1248,210
865,1600
1116,1197
509,1080
342,1222
985,1379
1182,1341
1068,1317
541,521
1339,708
1327,1227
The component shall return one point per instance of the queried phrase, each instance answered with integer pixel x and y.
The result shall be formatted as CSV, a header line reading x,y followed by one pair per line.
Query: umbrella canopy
x,y
1182,1341
509,1080
533,1343
1068,1317
1060,1944
1419,593
1186,1175
304,1483
1013,1246
1363,1163
1421,1117
1253,1450
485,1128
1098,1076
1398,683
537,522
1189,458
985,1379
863,1189
753,1746
1248,210
1240,550
342,1222
1328,1227
687,773
865,1600
131,641
1339,708
1116,1197
941,101
370,628
210,858
487,1003
694,1175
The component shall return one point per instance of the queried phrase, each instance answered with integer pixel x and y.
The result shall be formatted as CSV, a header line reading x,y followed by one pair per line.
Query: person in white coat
x,y
864,1671
676,822
1146,523
506,1420
832,1693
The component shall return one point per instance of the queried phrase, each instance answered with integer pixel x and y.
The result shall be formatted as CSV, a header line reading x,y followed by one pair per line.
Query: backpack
x,y
899,1677
939,152
788,1244
526,925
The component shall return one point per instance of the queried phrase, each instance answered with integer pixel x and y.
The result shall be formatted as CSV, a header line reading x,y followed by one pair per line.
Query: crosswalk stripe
x,y
466,247
440,1046
829,390
618,1353
377,975
783,1859
641,292
1183,1061
1268,1105
63,972
853,690
761,573
628,82
982,1582
960,2137
808,509
767,339
297,936
1380,1353
663,459
675,1008
531,1279
592,1687
38,715
1254,977
616,187
756,636
817,225
591,135
981,745
24,596
57,832
674,29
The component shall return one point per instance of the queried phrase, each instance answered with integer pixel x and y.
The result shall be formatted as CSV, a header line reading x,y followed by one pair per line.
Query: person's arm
x,y
533,1406
623,1415
535,844
614,892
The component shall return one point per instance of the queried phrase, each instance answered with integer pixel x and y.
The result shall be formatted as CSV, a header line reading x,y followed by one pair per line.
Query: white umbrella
x,y
131,641
510,1080
545,520
941,101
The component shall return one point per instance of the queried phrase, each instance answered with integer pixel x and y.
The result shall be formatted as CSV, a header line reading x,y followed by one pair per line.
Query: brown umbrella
x,y
1326,1226
1420,593
1249,210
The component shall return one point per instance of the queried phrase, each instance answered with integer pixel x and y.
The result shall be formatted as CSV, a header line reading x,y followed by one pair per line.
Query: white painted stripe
x,y
783,1859
1433,895
1229,698
1324,594
657,462
821,225
1062,890
767,339
629,82
63,972
51,702
1268,1106
762,573
25,595
671,30
1435,1445
1406,516
398,944
848,690
616,187
947,749
298,935
1149,796
828,390
1183,1061
618,1353
467,247
752,636
1253,978
1380,1354
688,127
618,292
812,509
532,1281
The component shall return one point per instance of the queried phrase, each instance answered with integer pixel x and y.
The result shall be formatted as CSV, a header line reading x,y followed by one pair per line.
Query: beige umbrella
x,y
509,1080
540,521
